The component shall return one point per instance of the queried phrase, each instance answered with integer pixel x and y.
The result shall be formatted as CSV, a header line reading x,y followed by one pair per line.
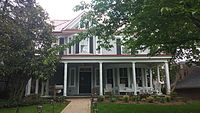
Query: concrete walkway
x,y
77,106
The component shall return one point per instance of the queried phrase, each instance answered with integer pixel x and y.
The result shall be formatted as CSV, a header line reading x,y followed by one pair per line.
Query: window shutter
x,y
77,48
118,44
91,45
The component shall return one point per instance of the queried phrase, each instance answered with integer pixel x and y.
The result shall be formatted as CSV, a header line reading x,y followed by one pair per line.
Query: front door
x,y
85,82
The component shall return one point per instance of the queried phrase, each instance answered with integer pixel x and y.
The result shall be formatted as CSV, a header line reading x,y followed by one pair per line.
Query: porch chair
x,y
108,88
138,89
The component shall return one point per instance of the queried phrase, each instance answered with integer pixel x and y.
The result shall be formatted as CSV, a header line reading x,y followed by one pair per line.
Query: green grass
x,y
47,108
193,107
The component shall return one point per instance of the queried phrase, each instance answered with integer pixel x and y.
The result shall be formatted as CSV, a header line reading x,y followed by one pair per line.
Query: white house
x,y
84,68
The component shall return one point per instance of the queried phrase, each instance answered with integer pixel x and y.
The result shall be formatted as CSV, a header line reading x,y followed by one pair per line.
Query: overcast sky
x,y
60,9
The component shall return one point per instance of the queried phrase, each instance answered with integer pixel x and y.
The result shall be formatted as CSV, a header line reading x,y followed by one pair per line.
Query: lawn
x,y
47,108
193,107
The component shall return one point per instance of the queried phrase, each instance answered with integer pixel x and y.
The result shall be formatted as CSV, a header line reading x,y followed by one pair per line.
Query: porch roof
x,y
89,58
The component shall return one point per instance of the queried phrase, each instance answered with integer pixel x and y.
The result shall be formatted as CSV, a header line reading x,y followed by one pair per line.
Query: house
x,y
189,85
84,67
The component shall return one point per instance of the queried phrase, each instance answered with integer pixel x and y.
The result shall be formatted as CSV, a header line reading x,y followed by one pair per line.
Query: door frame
x,y
91,71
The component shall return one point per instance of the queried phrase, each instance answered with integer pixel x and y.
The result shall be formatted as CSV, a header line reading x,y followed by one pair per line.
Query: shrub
x,y
113,99
150,99
100,98
168,98
163,100
126,98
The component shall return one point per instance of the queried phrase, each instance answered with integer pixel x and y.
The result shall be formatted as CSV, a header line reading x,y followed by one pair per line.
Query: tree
x,y
163,26
25,45
169,26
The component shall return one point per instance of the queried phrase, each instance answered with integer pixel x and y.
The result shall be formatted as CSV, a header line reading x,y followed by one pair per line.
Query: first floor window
x,y
139,76
97,77
109,76
72,76
123,74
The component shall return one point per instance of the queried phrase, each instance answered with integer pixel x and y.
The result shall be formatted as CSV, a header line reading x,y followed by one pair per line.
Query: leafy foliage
x,y
25,44
163,26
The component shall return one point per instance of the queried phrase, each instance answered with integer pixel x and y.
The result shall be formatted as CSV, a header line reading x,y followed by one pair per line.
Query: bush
x,y
150,99
126,98
113,99
168,98
163,100
60,99
100,98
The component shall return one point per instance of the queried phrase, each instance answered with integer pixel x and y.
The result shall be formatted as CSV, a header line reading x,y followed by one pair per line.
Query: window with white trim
x,y
123,75
84,46
72,77
139,76
110,76
97,77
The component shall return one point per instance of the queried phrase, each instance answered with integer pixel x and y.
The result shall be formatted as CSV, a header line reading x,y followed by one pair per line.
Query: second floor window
x,y
84,46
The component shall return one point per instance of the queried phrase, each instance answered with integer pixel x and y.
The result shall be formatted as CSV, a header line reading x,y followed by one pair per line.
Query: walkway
x,y
78,106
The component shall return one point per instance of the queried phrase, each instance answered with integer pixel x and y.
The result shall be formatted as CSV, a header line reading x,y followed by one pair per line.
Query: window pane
x,y
97,77
139,77
110,76
72,77
123,76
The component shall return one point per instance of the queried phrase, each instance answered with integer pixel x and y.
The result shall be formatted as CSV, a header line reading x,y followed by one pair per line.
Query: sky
x,y
60,9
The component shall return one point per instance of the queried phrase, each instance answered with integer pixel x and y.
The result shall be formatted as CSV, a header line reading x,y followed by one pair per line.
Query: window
x,y
84,46
118,44
148,77
110,76
72,77
123,74
70,47
139,76
96,77
61,42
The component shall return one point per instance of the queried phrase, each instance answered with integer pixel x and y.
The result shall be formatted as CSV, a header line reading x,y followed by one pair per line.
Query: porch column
x,y
36,86
42,89
65,80
28,87
158,80
47,88
151,78
158,73
168,89
101,78
134,78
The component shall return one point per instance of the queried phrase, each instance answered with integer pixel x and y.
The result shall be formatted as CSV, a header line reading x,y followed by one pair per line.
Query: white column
x,y
101,77
42,89
168,89
28,87
47,88
158,80
36,86
151,78
134,78
65,80
158,73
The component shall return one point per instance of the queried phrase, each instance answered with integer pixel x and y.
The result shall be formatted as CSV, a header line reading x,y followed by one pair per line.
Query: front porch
x,y
78,76
115,74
